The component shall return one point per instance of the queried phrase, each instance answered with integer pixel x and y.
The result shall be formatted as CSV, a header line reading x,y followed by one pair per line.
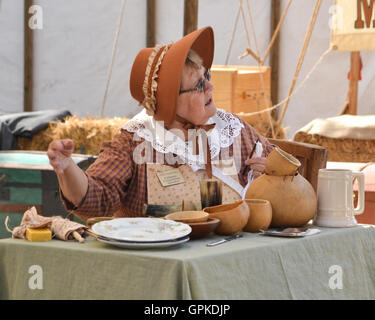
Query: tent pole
x,y
190,16
28,60
150,38
353,84
274,56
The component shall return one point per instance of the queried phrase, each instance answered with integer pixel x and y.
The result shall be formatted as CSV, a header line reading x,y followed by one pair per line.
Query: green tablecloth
x,y
253,267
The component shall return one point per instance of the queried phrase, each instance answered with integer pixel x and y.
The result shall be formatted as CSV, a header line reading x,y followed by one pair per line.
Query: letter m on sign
x,y
367,6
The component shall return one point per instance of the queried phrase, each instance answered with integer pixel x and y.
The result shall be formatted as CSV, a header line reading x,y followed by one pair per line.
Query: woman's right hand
x,y
59,154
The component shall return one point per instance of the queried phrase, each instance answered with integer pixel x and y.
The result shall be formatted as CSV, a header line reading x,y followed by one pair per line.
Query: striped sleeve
x,y
249,136
108,179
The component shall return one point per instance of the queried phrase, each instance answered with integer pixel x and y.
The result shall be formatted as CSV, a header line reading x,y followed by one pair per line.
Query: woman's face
x,y
195,106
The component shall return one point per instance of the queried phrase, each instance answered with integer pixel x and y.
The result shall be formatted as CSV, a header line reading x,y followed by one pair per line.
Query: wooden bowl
x,y
281,163
91,221
202,229
233,216
188,216
260,215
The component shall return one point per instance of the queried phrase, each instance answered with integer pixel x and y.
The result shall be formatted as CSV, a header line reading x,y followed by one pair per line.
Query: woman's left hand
x,y
257,164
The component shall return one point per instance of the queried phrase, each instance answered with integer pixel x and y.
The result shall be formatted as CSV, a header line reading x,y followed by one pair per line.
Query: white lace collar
x,y
165,141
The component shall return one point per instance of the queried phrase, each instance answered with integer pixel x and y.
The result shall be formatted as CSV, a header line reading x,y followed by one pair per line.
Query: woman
x,y
178,139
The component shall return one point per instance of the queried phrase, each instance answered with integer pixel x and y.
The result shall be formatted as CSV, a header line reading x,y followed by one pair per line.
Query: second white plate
x,y
141,229
141,246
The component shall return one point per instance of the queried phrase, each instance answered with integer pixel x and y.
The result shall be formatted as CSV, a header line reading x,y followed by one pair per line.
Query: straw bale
x,y
342,150
262,125
88,134
39,141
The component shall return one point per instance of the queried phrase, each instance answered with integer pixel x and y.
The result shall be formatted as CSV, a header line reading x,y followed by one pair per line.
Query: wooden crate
x,y
242,89
26,180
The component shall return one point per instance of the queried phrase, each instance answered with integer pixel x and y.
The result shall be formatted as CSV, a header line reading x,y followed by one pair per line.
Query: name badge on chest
x,y
170,177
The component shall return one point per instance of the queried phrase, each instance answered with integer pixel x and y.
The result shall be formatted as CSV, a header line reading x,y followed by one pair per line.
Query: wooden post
x,y
190,16
28,59
150,37
274,56
353,84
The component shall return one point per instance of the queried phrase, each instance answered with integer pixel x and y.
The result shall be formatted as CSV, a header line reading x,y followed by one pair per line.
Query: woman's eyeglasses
x,y
200,86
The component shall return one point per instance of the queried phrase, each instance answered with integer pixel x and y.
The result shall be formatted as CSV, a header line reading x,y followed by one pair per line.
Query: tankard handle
x,y
361,192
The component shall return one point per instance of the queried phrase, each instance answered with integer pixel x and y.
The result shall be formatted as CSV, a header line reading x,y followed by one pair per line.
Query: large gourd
x,y
292,197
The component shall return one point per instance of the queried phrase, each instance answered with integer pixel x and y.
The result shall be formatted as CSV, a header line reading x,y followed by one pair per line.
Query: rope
x,y
256,55
301,58
6,224
114,49
276,32
248,49
252,26
244,22
261,62
268,98
233,33
297,88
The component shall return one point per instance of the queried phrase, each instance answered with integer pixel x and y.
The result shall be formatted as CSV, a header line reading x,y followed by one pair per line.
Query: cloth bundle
x,y
25,124
61,228
347,126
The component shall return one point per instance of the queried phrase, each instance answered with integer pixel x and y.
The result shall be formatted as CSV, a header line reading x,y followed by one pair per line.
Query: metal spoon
x,y
215,243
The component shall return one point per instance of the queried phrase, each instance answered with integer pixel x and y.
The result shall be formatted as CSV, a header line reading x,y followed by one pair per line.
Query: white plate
x,y
141,229
138,246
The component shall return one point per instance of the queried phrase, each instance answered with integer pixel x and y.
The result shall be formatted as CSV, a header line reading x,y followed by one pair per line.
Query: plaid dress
x,y
117,185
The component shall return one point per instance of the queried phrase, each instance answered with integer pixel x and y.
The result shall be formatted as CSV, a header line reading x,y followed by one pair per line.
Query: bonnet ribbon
x,y
206,127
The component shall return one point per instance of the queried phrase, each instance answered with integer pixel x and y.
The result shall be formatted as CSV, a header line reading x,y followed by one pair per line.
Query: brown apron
x,y
188,191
